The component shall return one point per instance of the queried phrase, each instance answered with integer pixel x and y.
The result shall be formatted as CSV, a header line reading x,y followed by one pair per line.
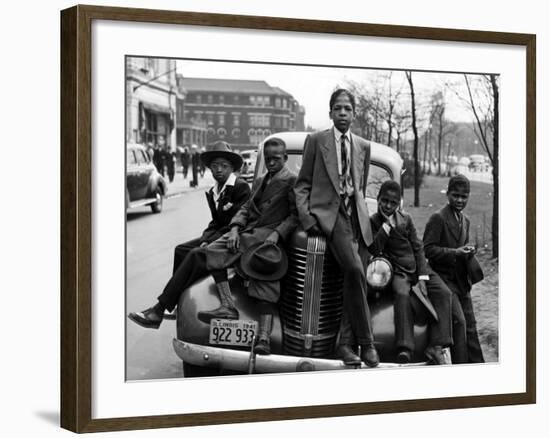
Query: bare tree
x,y
408,74
484,102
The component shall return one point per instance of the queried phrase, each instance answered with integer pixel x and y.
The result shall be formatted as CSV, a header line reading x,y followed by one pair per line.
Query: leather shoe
x,y
345,353
404,356
222,312
369,355
435,355
149,318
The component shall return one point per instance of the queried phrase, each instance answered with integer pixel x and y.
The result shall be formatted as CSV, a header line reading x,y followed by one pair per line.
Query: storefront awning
x,y
156,108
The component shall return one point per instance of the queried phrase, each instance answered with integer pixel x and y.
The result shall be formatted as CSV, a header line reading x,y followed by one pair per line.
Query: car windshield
x,y
377,173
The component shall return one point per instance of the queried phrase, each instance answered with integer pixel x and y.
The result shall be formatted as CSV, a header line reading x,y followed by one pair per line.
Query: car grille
x,y
311,302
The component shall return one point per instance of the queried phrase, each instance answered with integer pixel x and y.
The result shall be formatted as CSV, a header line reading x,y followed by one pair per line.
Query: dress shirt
x,y
217,191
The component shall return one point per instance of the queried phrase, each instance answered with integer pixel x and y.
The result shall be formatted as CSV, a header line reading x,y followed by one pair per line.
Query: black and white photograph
x,y
286,218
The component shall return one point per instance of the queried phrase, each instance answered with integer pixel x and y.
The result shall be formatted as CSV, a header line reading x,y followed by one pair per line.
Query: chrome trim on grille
x,y
311,302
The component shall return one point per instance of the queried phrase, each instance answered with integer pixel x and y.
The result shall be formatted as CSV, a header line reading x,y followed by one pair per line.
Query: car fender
x,y
204,296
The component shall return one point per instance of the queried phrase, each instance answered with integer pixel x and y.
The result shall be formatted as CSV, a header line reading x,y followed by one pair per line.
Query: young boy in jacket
x,y
446,244
395,238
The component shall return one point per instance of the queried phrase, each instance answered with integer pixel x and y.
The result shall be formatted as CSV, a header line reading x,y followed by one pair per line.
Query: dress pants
x,y
344,245
467,348
439,295
192,269
181,251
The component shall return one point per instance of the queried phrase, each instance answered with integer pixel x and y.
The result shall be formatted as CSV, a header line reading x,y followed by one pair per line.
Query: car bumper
x,y
225,358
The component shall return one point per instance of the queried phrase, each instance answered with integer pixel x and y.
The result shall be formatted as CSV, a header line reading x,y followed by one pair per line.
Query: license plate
x,y
232,332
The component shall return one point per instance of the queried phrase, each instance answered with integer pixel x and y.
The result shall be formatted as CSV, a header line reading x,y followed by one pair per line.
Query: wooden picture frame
x,y
76,217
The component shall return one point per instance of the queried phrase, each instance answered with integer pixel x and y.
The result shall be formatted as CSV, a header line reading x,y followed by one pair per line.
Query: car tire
x,y
190,370
156,207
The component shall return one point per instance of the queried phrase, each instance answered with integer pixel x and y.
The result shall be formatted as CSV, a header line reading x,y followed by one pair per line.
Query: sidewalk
x,y
180,185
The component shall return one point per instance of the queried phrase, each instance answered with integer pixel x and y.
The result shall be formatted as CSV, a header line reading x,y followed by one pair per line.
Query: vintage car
x,y
249,164
305,332
144,184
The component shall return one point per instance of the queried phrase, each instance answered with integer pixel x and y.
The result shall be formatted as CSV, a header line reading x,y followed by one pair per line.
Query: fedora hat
x,y
221,149
264,261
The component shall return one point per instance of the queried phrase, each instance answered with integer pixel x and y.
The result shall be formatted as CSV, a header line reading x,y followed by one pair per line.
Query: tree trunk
x,y
415,149
494,225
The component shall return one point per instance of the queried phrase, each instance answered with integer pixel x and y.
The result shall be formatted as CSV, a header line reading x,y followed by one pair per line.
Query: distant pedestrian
x,y
170,161
184,158
202,166
157,159
195,165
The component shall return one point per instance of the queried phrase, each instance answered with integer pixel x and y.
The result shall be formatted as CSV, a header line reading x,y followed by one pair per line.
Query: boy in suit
x,y
395,238
446,244
224,199
330,198
269,216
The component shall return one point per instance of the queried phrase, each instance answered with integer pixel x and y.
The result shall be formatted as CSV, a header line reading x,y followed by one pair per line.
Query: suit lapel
x,y
452,224
357,158
328,150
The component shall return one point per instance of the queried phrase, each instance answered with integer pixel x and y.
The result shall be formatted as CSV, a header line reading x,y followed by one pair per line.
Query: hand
x,y
273,238
203,244
422,287
465,251
233,241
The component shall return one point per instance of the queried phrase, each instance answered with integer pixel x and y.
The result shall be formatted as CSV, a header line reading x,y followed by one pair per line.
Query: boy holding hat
x,y
266,219
446,245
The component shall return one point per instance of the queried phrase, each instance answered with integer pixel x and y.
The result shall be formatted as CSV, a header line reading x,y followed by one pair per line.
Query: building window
x,y
199,98
221,132
210,98
222,99
236,120
210,119
278,102
236,100
221,119
284,103
266,100
236,133
253,100
285,122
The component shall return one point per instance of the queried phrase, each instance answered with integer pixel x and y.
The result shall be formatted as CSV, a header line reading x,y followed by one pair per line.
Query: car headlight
x,y
379,273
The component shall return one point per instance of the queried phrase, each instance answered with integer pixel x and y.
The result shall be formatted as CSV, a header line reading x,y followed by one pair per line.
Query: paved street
x,y
151,239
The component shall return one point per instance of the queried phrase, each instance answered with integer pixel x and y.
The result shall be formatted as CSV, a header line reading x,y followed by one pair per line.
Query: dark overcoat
x,y
270,208
442,236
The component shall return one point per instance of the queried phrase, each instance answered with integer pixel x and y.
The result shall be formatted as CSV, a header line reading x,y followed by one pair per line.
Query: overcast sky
x,y
312,86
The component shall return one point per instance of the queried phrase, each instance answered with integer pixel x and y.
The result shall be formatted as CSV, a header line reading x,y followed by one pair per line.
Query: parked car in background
x,y
249,164
144,184
478,163
306,327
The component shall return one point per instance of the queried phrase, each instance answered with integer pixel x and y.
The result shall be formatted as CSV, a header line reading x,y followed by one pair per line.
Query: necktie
x,y
344,178
343,155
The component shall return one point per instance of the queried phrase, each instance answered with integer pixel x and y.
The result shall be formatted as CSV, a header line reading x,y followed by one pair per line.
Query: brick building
x,y
241,112
151,92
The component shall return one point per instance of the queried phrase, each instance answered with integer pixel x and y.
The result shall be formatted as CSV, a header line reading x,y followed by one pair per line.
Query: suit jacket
x,y
231,200
268,209
318,188
402,246
442,236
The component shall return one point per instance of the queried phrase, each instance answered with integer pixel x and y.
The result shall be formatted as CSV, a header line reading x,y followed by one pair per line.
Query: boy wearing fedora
x,y
446,245
263,222
395,238
224,199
